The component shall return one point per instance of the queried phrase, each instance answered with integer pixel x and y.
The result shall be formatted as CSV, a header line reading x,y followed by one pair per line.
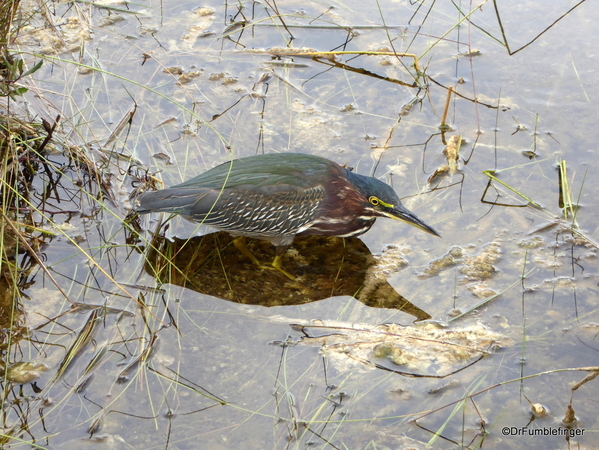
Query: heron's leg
x,y
276,264
239,243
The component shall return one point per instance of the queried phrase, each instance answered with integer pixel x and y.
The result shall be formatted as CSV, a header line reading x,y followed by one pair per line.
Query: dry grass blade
x,y
503,34
80,345
589,377
143,358
8,10
492,177
179,380
96,359
278,15
444,126
277,51
565,194
126,120
466,17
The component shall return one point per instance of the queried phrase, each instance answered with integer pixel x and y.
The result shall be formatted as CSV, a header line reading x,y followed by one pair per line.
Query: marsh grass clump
x,y
23,149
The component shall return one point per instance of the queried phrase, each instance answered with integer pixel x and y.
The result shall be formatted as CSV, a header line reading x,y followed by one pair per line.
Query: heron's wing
x,y
254,213
288,210
285,171
172,200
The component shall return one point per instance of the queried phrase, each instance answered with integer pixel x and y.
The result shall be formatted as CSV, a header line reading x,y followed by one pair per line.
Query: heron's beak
x,y
399,212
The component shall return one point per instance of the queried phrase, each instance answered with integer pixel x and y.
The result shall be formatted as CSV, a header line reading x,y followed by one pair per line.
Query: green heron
x,y
279,196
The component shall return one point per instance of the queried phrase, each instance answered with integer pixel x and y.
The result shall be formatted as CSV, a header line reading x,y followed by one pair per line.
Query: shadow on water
x,y
323,267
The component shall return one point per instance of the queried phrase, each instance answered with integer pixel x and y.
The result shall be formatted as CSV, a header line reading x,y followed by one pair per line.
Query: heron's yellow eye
x,y
374,201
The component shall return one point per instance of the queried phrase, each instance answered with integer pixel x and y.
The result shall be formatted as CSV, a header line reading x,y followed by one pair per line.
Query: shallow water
x,y
238,375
